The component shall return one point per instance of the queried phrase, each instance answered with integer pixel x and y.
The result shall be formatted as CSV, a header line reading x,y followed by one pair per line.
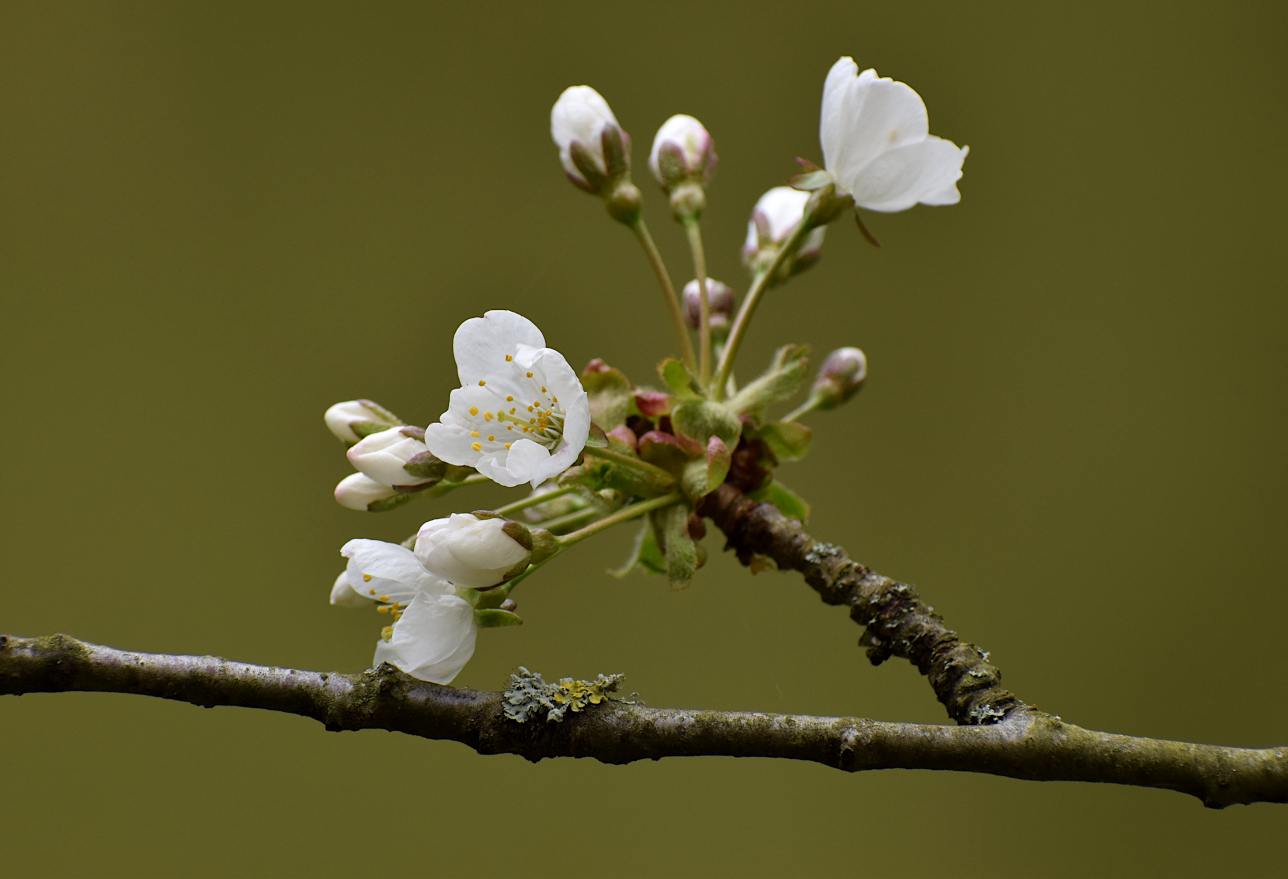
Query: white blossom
x,y
381,456
357,491
776,215
433,631
580,115
877,146
521,414
469,551
691,149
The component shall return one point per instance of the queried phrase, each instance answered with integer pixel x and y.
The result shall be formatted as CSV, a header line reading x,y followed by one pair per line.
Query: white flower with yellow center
x,y
521,414
877,144
433,631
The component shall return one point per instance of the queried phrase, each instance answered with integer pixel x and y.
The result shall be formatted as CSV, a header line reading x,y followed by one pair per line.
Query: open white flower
x,y
877,145
433,632
521,414
469,551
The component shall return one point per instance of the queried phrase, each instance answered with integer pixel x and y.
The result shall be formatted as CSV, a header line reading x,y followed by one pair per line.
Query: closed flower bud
x,y
774,218
592,146
841,377
354,419
359,492
719,305
473,552
682,150
384,456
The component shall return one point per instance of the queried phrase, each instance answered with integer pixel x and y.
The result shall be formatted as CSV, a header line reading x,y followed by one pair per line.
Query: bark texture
x,y
1026,744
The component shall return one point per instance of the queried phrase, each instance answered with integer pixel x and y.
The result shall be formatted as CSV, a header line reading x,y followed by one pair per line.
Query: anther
x,y
474,410
366,578
476,447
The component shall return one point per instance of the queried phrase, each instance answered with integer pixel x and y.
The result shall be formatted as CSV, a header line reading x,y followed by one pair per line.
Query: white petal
x,y
434,638
481,343
452,443
831,122
381,456
580,114
900,178
384,653
880,115
521,464
344,595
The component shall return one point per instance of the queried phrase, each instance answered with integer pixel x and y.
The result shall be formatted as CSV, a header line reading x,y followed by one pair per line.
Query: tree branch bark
x,y
1026,744
997,733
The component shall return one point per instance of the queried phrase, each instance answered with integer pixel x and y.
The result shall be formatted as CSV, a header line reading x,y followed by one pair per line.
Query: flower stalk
x,y
668,290
693,230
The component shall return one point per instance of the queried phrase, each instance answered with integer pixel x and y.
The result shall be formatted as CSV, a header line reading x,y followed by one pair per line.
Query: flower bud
x,y
473,552
774,218
354,419
719,306
594,150
840,378
359,492
683,161
384,456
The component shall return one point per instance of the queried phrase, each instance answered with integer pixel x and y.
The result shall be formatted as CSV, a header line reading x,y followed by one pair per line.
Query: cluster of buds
x,y
391,458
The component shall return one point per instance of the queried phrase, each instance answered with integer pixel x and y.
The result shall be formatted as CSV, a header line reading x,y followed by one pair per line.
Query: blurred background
x,y
218,219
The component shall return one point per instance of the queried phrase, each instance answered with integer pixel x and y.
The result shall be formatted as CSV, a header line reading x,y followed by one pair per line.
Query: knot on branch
x,y
895,621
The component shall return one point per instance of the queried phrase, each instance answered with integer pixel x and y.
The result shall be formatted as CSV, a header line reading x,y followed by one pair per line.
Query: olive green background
x,y
216,220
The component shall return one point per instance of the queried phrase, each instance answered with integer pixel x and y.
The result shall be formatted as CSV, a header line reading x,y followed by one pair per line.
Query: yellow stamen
x,y
488,416
366,578
508,358
507,445
491,438
529,375
509,399
481,383
543,389
474,410
476,447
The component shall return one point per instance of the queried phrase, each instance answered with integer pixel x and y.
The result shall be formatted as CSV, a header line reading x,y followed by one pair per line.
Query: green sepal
x,y
588,165
610,394
671,528
789,503
788,440
487,598
493,617
783,378
518,532
596,439
458,473
678,379
645,554
391,503
365,429
544,545
699,420
426,465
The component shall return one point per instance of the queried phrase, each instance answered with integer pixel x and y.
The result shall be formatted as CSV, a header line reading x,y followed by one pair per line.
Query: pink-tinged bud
x,y
652,403
840,378
354,419
682,152
720,304
774,218
358,492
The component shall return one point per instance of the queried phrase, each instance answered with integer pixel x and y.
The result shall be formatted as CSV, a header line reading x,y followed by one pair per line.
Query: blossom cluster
x,y
597,449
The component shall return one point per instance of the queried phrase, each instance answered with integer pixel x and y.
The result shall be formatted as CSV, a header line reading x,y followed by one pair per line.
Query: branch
x,y
1026,744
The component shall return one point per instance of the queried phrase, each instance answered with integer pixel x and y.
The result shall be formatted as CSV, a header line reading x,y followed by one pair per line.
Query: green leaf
x,y
671,527
645,554
810,180
788,440
704,475
788,502
783,378
492,617
609,392
678,379
700,420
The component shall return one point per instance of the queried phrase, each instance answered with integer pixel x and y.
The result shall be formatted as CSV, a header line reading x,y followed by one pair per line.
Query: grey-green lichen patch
x,y
529,695
820,551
